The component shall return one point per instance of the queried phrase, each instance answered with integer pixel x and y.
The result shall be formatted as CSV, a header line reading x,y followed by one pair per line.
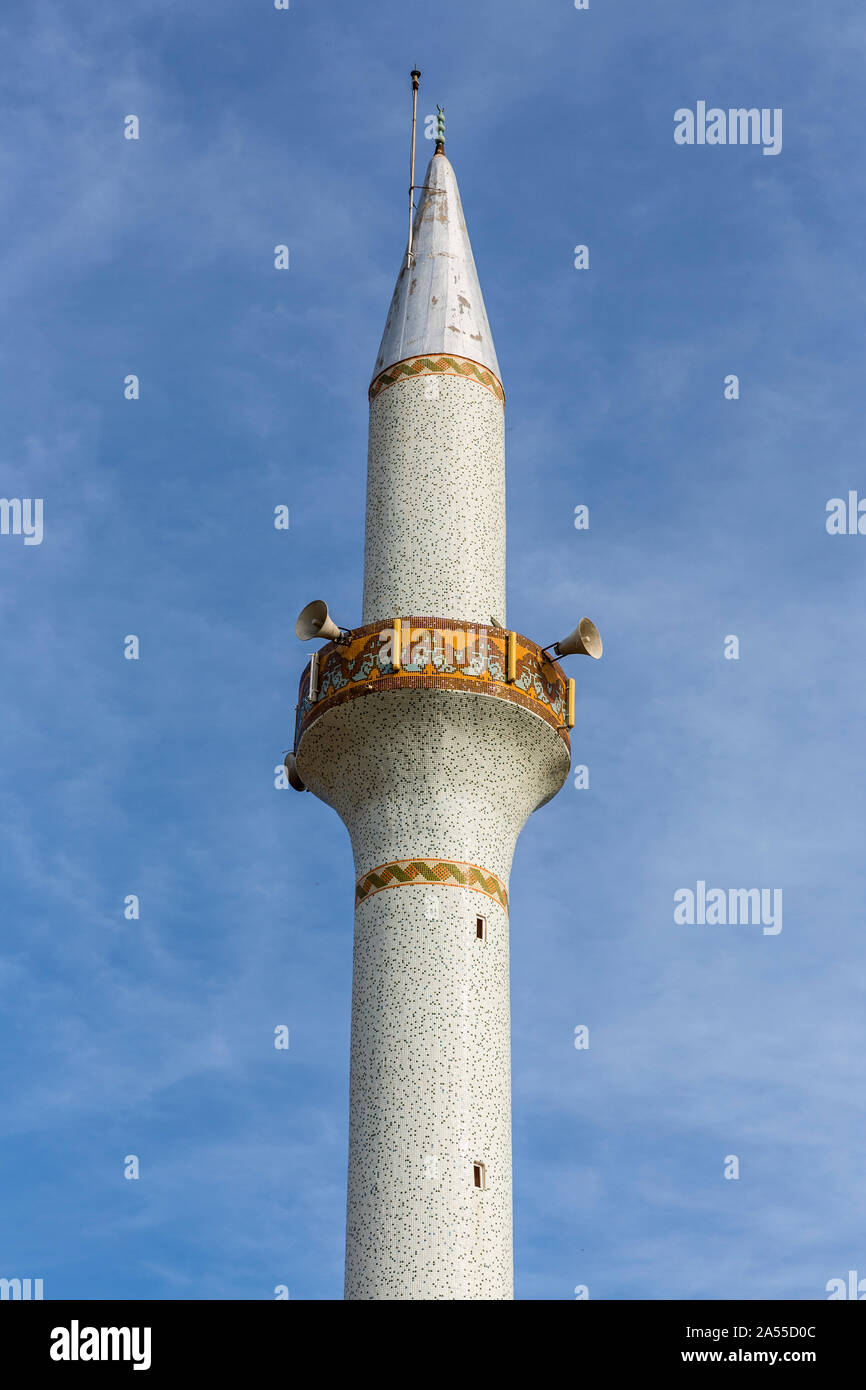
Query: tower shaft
x,y
434,733
434,786
435,534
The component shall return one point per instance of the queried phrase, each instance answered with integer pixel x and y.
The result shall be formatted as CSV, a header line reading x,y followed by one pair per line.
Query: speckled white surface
x,y
453,775
435,532
430,1095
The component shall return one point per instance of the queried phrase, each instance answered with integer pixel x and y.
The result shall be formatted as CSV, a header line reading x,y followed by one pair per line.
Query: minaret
x,y
434,732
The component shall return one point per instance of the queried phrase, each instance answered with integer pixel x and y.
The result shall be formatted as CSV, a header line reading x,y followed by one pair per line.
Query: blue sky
x,y
707,518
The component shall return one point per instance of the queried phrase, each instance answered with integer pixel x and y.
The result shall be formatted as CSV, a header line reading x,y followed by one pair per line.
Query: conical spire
x,y
437,305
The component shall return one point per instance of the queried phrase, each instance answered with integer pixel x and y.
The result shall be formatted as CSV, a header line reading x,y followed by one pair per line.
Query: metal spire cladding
x,y
437,305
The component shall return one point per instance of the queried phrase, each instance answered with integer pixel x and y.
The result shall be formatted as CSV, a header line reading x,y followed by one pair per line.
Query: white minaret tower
x,y
434,732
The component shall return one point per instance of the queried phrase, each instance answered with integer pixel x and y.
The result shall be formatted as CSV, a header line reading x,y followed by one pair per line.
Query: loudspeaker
x,y
584,641
313,621
292,770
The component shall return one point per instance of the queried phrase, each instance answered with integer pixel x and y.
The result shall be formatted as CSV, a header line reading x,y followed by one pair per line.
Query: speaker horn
x,y
314,621
291,766
584,641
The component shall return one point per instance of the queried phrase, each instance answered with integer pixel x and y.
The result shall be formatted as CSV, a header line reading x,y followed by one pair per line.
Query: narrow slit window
x,y
481,928
479,1176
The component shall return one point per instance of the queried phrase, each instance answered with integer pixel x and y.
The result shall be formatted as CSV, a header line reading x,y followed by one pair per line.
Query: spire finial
x,y
440,130
415,76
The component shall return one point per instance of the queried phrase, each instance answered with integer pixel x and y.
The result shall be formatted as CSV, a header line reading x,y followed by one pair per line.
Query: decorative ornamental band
x,y
450,873
439,654
437,365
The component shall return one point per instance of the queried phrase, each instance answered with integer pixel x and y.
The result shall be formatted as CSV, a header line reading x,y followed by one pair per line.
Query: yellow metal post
x,y
570,717
512,656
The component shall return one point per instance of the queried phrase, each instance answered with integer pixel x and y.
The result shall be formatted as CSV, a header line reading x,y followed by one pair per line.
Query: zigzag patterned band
x,y
438,365
451,873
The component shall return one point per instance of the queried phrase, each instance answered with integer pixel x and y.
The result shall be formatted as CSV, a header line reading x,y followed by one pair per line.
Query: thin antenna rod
x,y
415,75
